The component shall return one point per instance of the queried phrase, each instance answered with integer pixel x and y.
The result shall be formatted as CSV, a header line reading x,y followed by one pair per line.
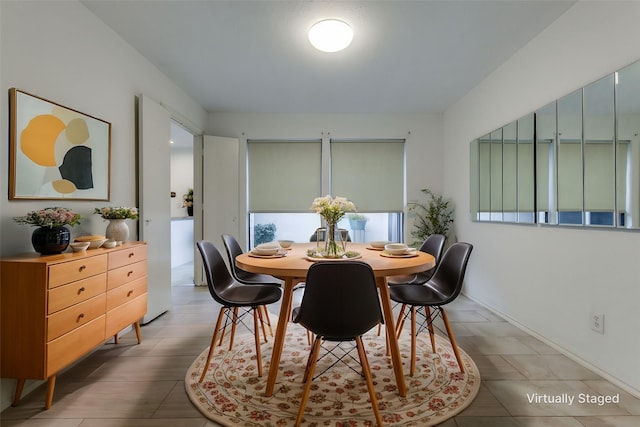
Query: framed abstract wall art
x,y
56,152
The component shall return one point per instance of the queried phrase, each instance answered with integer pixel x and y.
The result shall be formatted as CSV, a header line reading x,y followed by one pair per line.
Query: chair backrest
x,y
343,232
449,275
434,245
215,270
233,250
340,300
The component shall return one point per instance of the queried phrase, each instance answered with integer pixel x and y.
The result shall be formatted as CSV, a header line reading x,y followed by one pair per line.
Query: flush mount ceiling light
x,y
330,35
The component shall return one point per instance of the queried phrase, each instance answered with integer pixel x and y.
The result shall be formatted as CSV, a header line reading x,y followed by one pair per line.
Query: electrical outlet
x,y
597,323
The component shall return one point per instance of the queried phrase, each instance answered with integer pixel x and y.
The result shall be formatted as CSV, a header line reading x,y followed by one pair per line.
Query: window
x,y
371,173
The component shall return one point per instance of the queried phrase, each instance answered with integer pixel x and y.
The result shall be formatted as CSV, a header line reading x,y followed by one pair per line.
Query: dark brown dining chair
x,y
444,287
233,249
340,304
232,295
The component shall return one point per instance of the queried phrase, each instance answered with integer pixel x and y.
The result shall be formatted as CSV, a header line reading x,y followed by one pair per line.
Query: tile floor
x,y
130,385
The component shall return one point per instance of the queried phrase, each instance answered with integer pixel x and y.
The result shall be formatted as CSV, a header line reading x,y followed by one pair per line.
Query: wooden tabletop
x,y
296,264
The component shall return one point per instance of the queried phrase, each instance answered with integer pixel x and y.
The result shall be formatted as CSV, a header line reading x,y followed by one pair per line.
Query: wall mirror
x,y
572,162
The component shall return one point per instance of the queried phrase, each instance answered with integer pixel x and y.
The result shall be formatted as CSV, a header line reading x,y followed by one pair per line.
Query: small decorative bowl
x,y
95,244
396,248
109,244
285,243
79,246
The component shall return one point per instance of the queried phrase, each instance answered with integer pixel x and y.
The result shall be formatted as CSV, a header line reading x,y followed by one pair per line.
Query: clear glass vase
x,y
334,244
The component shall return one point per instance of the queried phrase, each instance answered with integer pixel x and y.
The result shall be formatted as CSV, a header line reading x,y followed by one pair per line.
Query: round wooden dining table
x,y
293,268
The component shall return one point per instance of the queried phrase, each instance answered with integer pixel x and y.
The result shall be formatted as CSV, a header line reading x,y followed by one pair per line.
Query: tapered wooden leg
x,y
115,339
281,330
260,310
392,339
213,343
234,323
413,341
400,322
432,336
19,388
305,377
367,375
452,338
307,387
51,384
136,326
256,334
268,319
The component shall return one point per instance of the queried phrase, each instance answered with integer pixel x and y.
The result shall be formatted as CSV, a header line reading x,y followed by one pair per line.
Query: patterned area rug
x,y
233,395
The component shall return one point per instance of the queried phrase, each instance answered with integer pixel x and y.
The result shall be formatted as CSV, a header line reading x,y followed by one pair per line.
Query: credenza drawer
x,y
69,347
122,316
126,292
128,273
77,315
127,256
75,292
60,274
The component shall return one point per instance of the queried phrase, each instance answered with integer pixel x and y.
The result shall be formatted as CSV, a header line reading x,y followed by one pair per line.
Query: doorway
x,y
182,221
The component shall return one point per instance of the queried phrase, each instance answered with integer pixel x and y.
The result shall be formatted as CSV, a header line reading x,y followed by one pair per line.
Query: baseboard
x,y
616,381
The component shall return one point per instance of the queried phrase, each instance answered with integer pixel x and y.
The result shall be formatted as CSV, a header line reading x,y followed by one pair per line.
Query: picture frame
x,y
56,152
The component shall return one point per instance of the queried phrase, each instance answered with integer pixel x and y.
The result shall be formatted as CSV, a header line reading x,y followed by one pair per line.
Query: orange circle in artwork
x,y
38,139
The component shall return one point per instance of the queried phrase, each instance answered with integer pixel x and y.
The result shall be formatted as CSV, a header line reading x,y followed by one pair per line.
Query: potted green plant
x,y
187,201
435,216
357,221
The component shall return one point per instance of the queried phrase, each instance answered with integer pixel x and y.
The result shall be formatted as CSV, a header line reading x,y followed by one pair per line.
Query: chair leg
x,y
305,378
432,337
452,339
213,343
268,319
413,340
307,387
234,323
367,375
400,322
260,311
256,334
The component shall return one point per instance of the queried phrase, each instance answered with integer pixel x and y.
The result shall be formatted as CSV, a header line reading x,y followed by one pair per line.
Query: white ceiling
x,y
253,56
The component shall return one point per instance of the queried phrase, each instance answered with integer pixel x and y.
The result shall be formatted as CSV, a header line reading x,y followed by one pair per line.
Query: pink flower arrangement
x,y
50,217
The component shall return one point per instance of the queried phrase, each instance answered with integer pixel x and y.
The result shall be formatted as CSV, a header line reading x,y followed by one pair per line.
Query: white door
x,y
154,157
220,192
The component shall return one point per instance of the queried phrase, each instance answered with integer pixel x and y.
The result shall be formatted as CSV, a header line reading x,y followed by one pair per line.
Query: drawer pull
x,y
129,293
82,268
131,255
80,316
129,273
81,290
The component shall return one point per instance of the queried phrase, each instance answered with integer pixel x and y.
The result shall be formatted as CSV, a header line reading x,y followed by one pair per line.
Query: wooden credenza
x,y
56,308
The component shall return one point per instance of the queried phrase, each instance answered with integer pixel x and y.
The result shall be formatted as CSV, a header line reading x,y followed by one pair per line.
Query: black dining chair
x,y
433,245
340,304
233,295
233,249
444,287
344,233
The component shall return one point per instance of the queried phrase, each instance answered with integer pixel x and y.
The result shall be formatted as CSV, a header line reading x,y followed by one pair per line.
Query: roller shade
x,y
370,173
284,176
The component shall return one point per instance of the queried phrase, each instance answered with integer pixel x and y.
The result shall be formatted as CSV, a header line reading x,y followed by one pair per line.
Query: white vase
x,y
117,230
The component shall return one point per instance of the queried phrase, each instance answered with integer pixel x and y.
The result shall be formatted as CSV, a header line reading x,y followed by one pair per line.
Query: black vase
x,y
50,240
190,210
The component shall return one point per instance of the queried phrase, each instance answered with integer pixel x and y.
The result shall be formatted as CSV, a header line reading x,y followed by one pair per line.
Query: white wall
x,y
549,280
62,52
423,133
